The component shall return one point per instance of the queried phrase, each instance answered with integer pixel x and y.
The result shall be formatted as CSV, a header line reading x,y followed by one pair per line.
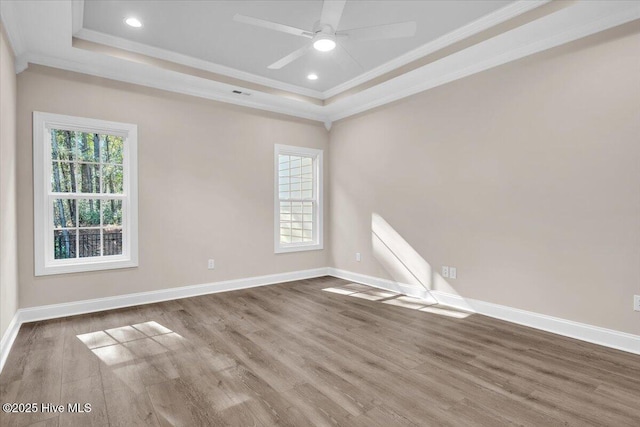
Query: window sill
x,y
77,267
301,248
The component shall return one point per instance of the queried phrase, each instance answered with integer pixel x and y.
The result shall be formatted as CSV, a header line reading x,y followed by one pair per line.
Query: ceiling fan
x,y
325,37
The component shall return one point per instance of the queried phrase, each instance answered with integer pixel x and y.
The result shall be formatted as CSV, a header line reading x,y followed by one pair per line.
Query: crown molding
x,y
21,63
77,15
583,20
155,52
145,75
9,18
508,12
40,32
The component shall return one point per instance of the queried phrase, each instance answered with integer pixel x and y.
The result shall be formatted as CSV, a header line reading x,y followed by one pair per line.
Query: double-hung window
x,y
298,199
85,194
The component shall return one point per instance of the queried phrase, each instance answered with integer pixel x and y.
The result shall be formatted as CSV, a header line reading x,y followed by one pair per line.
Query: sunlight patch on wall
x,y
403,263
412,273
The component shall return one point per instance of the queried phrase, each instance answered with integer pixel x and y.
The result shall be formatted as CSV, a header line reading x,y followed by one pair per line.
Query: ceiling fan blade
x,y
332,12
272,26
289,58
346,61
381,32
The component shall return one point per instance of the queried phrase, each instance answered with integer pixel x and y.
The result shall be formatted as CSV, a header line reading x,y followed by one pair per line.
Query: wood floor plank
x,y
49,422
271,408
258,360
87,390
42,378
181,403
320,409
78,361
469,413
332,385
126,408
382,416
322,352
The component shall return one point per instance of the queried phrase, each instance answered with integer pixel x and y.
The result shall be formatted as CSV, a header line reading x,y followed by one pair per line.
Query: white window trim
x,y
45,264
317,243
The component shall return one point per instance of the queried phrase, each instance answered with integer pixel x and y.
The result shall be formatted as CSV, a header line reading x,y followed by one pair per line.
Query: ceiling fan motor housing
x,y
324,35
320,28
324,39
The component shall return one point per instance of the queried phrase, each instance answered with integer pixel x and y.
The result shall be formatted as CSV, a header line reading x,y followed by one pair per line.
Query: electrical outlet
x,y
453,272
445,271
358,257
636,302
211,264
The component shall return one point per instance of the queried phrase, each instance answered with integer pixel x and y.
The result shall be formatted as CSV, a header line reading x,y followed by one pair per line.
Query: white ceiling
x,y
45,33
206,30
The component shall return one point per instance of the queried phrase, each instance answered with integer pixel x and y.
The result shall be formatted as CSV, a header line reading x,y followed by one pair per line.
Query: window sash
x,y
50,256
44,226
312,200
101,196
315,199
314,222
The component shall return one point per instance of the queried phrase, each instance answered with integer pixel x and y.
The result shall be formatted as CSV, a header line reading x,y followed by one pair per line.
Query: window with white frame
x,y
85,194
298,199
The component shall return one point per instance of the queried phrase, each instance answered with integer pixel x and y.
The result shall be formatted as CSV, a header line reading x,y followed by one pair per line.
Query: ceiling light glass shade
x,y
324,44
133,22
312,76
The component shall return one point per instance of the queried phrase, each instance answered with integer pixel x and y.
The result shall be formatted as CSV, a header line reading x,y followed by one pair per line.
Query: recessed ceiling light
x,y
312,76
133,22
324,43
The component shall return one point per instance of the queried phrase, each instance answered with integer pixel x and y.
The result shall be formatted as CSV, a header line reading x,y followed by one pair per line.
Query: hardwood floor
x,y
314,352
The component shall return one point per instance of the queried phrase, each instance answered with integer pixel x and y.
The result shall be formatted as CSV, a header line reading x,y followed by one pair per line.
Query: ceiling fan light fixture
x,y
324,43
133,22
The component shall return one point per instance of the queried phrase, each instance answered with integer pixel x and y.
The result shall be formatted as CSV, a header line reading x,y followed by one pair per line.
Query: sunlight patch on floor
x,y
126,343
443,310
396,299
374,295
339,291
406,302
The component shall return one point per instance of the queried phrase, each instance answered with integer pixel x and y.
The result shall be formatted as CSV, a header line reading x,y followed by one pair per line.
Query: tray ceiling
x,y
196,48
207,31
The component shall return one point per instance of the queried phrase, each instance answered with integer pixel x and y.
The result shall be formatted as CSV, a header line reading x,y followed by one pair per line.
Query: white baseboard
x,y
53,311
8,338
593,334
32,314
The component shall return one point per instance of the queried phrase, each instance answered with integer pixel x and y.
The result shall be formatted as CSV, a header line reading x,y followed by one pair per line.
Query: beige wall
x,y
8,218
525,177
205,186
